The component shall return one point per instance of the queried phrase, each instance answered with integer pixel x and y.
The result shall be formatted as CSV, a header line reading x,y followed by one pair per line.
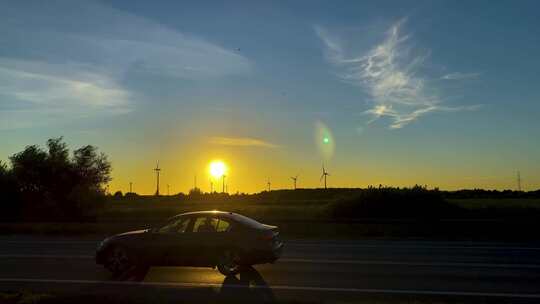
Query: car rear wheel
x,y
229,263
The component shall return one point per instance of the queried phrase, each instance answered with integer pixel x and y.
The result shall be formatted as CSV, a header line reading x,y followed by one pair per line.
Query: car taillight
x,y
267,236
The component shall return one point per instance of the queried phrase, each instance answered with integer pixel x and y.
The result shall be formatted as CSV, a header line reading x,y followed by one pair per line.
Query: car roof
x,y
231,215
207,212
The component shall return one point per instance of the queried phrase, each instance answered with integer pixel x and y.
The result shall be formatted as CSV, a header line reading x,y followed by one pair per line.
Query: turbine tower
x,y
294,178
268,184
519,181
324,175
223,189
157,169
211,186
168,187
130,187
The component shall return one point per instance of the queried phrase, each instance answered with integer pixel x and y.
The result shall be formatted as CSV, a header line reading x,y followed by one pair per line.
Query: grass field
x,y
477,203
311,220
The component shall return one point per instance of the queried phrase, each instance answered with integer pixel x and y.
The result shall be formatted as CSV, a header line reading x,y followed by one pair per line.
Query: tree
x,y
8,191
52,184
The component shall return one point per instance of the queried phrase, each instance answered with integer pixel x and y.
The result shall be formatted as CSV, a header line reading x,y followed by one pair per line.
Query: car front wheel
x,y
229,263
118,261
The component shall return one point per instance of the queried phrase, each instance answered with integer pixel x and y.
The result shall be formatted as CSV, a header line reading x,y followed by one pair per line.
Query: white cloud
x,y
60,85
35,94
389,73
240,141
75,58
460,76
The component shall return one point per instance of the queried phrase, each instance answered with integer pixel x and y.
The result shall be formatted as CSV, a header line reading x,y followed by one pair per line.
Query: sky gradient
x,y
437,93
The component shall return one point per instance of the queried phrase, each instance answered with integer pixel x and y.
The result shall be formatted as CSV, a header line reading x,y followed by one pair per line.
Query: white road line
x,y
41,242
310,261
412,246
309,244
401,263
44,256
280,287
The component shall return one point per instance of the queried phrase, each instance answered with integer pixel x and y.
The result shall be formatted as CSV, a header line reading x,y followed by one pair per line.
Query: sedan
x,y
226,240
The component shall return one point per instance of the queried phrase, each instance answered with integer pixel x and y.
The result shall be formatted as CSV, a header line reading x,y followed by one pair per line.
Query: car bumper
x,y
263,256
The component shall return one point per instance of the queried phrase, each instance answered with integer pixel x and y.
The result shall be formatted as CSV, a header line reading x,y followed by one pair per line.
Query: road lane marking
x,y
311,244
61,242
382,246
310,261
44,256
280,287
400,263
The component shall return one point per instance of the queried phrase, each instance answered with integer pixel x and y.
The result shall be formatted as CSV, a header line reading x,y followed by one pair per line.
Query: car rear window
x,y
246,221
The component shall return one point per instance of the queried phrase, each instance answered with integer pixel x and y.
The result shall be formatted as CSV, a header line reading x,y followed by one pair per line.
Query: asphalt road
x,y
308,270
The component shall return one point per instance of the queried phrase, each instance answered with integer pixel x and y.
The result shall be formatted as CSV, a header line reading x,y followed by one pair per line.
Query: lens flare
x,y
217,168
324,140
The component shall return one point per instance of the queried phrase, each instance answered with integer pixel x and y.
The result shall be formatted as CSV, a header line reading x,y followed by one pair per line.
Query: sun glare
x,y
217,168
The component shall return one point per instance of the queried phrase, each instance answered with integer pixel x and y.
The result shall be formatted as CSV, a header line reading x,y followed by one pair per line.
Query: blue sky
x,y
441,93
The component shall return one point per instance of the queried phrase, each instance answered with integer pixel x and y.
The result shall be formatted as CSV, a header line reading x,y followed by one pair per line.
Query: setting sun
x,y
217,168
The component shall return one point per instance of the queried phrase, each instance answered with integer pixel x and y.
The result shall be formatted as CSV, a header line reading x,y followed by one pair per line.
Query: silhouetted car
x,y
227,240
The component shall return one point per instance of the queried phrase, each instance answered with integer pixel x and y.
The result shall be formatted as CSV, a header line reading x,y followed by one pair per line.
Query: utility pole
x,y
223,190
519,181
157,169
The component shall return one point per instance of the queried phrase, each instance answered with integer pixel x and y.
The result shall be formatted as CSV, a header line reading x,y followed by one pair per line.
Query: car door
x,y
168,242
179,251
210,234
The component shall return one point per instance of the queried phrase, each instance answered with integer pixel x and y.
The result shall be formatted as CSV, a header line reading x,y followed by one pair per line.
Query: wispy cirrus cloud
x,y
241,141
60,85
389,72
36,94
460,76
75,59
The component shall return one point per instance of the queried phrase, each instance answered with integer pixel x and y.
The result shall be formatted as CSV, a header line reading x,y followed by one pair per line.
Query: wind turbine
x,y
324,175
223,177
157,169
294,178
268,183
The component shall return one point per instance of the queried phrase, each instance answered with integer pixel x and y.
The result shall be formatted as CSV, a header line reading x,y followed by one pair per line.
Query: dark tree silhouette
x,y
52,185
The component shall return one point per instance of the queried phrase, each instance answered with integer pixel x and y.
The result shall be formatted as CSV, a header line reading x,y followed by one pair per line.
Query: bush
x,y
416,202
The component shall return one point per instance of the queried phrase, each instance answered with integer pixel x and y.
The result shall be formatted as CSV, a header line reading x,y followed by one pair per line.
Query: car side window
x,y
172,226
223,226
205,224
183,226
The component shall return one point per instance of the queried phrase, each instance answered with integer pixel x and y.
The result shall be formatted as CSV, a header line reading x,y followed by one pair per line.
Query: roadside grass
x,y
478,203
505,219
